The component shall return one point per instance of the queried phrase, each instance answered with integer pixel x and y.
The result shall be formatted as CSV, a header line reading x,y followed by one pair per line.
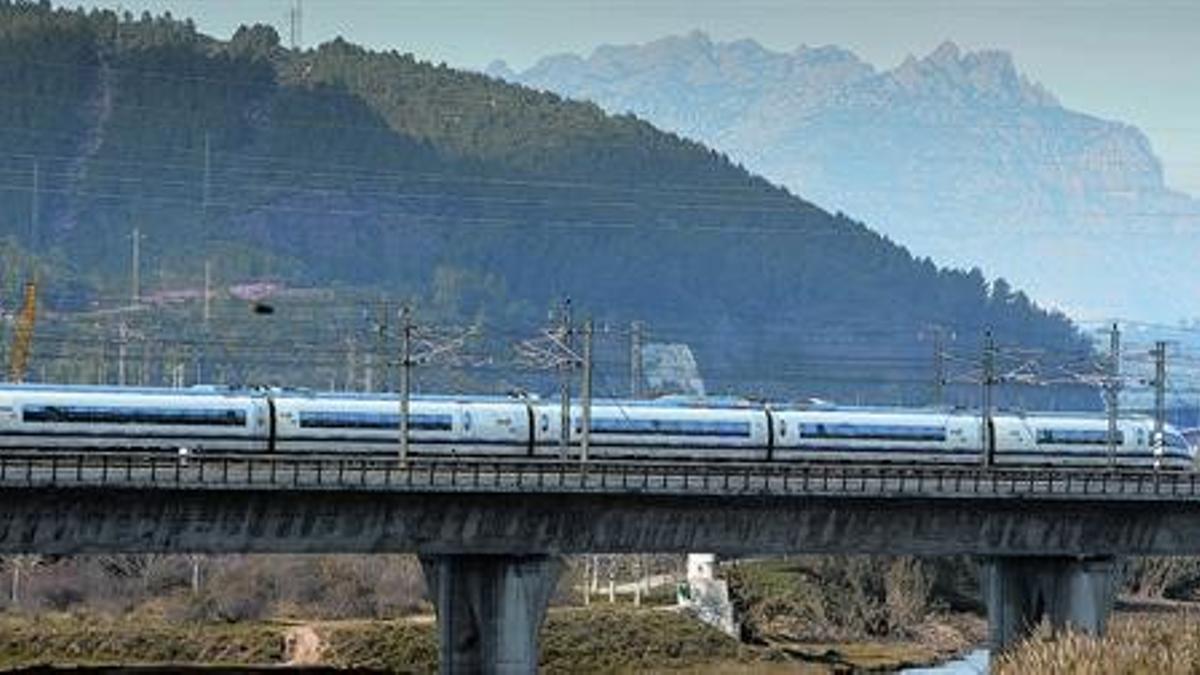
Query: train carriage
x,y
875,435
370,425
1083,440
205,419
667,430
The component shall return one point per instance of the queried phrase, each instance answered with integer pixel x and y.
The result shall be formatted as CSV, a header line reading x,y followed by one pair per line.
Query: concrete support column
x,y
1074,593
490,609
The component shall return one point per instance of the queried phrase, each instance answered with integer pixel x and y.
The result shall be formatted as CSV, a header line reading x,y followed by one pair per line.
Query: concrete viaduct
x,y
490,534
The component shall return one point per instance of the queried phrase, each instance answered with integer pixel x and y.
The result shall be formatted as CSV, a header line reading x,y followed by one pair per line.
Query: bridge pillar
x,y
1074,593
490,609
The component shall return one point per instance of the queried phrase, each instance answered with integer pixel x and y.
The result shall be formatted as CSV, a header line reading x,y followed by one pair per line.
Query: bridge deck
x,y
140,471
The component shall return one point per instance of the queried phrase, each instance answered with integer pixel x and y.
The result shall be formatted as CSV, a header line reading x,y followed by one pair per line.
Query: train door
x,y
989,441
272,424
531,420
467,431
1013,439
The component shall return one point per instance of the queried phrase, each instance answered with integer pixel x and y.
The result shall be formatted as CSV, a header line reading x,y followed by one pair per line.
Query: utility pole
x,y
201,353
988,381
1160,389
638,573
296,21
405,378
122,337
207,174
207,292
939,367
135,267
1112,389
3,345
381,346
635,359
34,204
567,364
102,364
195,560
587,589
144,368
369,370
586,392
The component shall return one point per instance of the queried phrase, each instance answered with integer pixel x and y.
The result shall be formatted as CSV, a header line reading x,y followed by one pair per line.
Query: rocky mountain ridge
x,y
956,155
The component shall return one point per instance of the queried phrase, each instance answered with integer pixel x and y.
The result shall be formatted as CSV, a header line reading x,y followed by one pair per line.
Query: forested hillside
x,y
342,167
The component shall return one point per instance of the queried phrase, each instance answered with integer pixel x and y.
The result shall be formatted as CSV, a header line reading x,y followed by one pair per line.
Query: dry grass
x,y
1167,643
67,639
597,639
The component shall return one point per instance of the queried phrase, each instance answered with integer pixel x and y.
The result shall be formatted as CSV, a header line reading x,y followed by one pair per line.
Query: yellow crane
x,y
22,344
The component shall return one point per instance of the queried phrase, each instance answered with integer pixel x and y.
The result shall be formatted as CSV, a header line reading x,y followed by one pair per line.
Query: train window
x,y
782,428
659,427
1176,441
54,414
1076,436
337,419
467,421
874,432
545,422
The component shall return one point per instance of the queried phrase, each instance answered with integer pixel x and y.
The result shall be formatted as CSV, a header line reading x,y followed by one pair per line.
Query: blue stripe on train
x,y
966,454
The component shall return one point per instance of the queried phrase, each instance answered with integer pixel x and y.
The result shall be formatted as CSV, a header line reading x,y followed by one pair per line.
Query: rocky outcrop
x,y
957,155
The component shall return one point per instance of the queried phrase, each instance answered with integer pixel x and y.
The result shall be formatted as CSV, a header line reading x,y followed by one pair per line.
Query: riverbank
x,y
593,639
1146,637
573,640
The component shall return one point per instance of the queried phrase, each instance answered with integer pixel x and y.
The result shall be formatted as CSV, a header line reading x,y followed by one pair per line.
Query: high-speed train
x,y
218,420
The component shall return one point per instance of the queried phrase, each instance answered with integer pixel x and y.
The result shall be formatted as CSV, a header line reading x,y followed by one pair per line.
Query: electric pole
x,y
988,381
638,573
351,363
122,338
207,174
296,21
1160,389
588,561
201,352
381,346
369,370
939,367
144,368
567,364
420,348
405,378
207,292
635,359
586,392
34,199
1112,389
135,267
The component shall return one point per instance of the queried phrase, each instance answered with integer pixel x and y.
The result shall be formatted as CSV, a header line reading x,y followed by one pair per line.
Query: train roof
x,y
676,402
662,402
391,396
198,390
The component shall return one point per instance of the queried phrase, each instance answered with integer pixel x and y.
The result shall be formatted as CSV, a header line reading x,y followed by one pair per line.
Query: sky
x,y
1129,60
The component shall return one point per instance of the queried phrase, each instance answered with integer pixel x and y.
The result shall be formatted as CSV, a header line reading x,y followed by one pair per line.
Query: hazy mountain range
x,y
956,155
478,201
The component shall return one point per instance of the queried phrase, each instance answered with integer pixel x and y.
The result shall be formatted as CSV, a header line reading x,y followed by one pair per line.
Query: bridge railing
x,y
208,472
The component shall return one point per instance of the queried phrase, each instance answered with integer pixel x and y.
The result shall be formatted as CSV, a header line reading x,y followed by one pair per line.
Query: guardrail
x,y
200,472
